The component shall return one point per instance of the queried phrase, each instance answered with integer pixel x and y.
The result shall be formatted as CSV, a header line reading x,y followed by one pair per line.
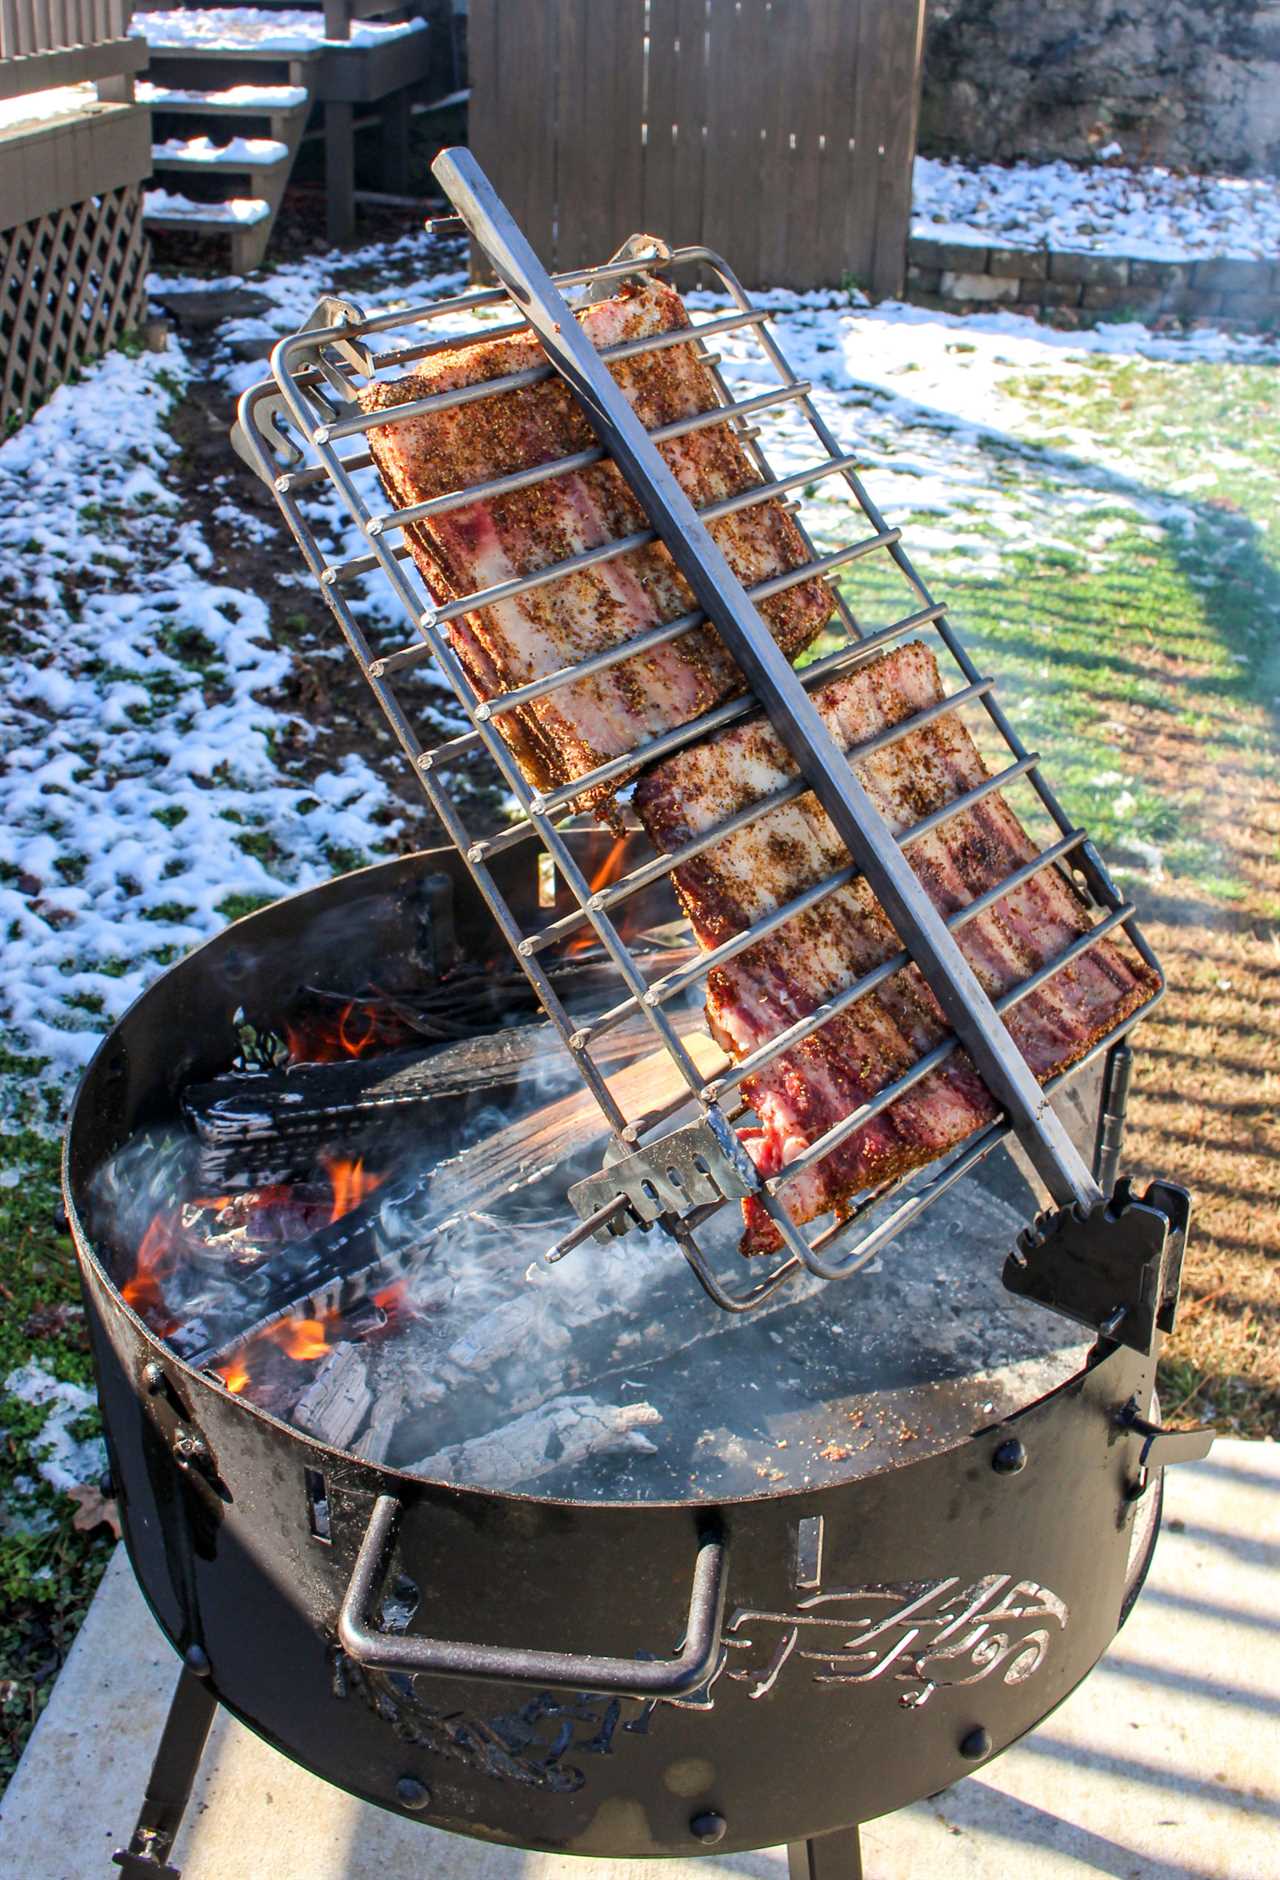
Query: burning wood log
x,y
338,1398
397,1230
559,1434
271,1126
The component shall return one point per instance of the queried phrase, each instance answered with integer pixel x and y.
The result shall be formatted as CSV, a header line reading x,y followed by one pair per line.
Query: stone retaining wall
x,y
958,276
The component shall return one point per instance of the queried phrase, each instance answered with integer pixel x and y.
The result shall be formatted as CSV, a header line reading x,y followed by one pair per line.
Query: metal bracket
x,y
1162,1448
690,1166
647,251
271,417
271,414
1115,1267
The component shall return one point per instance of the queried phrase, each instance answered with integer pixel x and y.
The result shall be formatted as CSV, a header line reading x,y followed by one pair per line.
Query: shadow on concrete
x,y
988,1812
1130,1769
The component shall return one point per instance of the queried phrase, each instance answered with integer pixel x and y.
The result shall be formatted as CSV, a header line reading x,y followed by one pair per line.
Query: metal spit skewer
x,y
313,371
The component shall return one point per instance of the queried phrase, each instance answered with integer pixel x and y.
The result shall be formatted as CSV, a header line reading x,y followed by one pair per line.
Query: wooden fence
x,y
779,132
73,257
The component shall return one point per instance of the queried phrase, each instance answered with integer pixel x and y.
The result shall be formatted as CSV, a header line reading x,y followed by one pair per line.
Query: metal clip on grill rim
x,y
295,372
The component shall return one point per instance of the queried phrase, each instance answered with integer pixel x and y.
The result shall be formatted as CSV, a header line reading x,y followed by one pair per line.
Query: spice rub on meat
x,y
567,733
817,954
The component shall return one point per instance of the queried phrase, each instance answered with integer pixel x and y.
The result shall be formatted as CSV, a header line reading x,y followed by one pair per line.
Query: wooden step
x,y
234,100
241,155
246,220
166,211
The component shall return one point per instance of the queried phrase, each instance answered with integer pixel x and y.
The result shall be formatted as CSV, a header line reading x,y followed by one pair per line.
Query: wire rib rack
x,y
307,417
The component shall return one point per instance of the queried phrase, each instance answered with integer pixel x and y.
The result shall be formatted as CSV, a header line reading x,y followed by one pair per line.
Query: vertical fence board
x,y
695,93
893,201
660,117
626,201
782,132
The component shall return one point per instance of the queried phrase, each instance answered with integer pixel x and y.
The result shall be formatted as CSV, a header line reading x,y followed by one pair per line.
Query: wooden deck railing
x,y
44,43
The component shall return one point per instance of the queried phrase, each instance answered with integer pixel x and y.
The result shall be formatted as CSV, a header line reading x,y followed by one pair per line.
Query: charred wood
x,y
557,1435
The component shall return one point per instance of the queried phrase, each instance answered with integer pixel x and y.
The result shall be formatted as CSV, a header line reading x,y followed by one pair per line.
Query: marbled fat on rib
x,y
569,732
815,955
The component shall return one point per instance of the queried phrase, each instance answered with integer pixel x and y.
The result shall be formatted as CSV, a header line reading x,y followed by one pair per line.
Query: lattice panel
x,y
70,283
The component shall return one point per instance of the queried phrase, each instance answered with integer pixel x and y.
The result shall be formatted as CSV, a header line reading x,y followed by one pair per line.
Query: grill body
x,y
880,1635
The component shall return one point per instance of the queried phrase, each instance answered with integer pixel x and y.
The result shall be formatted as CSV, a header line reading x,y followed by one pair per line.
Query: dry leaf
x,y
95,1510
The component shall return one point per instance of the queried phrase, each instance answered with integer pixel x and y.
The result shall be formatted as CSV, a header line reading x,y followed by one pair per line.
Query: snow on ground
x,y
138,776
63,1459
140,784
1149,214
258,29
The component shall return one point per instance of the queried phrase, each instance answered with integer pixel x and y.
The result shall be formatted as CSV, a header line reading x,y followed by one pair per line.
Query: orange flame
x,y
607,873
327,1038
236,1375
611,867
350,1185
303,1339
156,1260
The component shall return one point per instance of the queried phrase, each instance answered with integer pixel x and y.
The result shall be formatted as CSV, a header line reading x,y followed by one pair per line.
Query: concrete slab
x,y
1164,1766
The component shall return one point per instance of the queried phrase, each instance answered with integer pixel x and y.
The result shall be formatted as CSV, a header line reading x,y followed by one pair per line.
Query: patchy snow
x,y
1148,214
41,107
63,1460
257,29
136,722
232,98
140,785
236,151
239,210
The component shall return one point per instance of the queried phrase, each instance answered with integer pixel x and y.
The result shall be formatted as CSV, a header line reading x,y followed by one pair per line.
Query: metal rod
x,y
1112,1105
319,383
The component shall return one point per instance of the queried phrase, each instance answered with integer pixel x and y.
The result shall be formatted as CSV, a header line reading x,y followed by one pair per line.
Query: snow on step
x,y
254,29
164,205
237,153
233,98
41,107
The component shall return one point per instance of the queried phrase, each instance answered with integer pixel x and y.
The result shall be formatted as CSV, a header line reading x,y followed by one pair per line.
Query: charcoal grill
x,y
722,1668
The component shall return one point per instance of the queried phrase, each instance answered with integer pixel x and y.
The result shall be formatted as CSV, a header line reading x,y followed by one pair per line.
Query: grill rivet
x,y
976,1745
153,1376
1010,1458
410,1793
197,1661
709,1828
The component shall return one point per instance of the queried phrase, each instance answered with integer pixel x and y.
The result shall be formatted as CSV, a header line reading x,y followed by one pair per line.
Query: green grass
x,y
48,1570
1117,617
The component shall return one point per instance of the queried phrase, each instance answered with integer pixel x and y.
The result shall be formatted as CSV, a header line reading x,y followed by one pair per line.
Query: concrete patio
x,y
1165,1765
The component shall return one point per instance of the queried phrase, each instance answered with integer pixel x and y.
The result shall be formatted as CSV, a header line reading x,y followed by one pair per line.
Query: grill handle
x,y
378,1650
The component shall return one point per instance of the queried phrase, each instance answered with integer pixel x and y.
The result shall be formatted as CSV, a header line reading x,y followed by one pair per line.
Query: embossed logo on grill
x,y
923,1634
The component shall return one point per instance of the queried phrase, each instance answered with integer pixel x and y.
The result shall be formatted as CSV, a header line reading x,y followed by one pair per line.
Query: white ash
x,y
338,1398
556,1435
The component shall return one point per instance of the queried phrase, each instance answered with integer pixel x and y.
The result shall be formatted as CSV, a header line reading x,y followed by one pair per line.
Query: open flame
x,y
351,1185
349,1031
157,1258
304,1340
604,877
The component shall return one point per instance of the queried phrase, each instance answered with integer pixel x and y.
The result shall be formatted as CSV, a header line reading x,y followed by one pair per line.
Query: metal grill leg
x,y
182,1743
835,1856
